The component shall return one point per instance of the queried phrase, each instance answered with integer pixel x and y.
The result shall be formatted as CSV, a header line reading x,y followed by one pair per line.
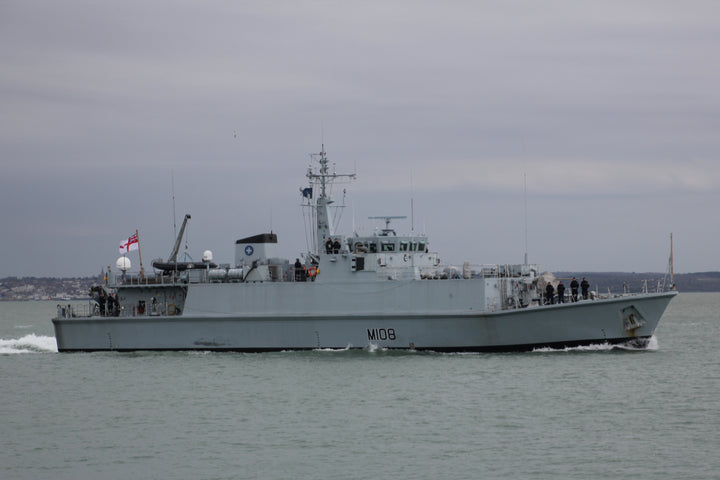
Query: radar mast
x,y
322,180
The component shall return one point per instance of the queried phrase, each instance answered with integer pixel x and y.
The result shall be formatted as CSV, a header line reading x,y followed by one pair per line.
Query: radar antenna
x,y
387,230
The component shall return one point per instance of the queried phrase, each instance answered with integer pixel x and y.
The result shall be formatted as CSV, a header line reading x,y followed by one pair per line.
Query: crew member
x,y
299,271
101,301
584,286
549,294
329,245
336,246
574,289
561,292
113,306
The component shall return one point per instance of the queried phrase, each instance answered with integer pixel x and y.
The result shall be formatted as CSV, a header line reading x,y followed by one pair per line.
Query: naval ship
x,y
383,290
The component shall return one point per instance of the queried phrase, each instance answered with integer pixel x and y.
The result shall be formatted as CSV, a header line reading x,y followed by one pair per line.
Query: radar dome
x,y
123,264
207,256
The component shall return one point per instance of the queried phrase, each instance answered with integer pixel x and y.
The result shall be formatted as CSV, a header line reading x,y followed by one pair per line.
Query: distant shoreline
x,y
46,288
77,288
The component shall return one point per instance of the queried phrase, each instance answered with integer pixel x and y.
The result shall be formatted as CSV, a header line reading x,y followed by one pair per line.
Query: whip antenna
x,y
172,184
526,221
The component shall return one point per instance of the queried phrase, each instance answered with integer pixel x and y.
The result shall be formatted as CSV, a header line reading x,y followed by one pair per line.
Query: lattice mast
x,y
320,198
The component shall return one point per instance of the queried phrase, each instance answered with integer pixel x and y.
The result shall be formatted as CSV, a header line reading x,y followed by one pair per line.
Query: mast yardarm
x,y
323,180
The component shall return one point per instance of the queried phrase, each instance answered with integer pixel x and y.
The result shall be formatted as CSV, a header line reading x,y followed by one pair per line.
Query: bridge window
x,y
403,246
372,247
388,247
413,246
421,246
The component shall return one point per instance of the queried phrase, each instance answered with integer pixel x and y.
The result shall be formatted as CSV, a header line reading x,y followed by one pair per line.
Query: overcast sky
x,y
609,110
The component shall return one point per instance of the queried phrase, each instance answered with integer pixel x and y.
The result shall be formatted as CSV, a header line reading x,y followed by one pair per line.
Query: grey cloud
x,y
101,102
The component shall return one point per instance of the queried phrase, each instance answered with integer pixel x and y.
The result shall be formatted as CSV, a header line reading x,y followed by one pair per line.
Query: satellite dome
x,y
207,256
123,264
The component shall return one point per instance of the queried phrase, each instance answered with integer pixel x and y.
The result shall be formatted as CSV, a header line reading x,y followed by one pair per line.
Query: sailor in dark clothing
x,y
101,301
574,289
584,286
561,292
329,245
549,294
113,306
336,246
299,271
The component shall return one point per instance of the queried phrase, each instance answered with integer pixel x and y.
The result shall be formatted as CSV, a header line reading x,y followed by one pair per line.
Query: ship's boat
x,y
386,289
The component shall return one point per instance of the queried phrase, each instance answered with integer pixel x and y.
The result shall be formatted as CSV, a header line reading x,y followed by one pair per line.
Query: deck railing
x,y
77,310
284,273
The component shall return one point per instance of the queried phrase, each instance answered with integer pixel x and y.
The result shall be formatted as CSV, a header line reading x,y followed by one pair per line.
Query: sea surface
x,y
595,412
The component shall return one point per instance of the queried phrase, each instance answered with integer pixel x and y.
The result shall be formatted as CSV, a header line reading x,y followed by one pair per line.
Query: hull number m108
x,y
381,334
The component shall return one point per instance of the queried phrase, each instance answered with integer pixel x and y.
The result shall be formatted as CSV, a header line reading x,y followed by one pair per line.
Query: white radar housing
x,y
123,264
207,256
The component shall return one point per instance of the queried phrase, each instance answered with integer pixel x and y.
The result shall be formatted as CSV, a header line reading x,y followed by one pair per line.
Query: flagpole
x,y
142,273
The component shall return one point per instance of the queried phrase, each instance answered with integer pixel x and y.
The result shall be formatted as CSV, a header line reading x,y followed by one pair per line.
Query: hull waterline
x,y
565,325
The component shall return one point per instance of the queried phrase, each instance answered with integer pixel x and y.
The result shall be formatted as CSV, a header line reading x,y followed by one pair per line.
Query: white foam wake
x,y
28,344
652,345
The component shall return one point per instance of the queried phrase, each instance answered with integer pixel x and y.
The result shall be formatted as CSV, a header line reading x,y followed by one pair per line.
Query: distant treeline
x,y
617,282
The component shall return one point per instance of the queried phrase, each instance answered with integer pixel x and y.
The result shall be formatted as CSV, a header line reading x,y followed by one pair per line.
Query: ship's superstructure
x,y
385,289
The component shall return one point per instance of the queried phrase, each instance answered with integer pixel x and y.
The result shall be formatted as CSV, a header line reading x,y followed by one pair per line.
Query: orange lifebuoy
x,y
312,271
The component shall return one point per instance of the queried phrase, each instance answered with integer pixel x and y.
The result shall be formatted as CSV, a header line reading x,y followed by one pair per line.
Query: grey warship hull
x,y
613,320
384,290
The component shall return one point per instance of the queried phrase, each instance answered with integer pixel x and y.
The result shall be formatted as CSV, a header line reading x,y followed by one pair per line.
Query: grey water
x,y
594,412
